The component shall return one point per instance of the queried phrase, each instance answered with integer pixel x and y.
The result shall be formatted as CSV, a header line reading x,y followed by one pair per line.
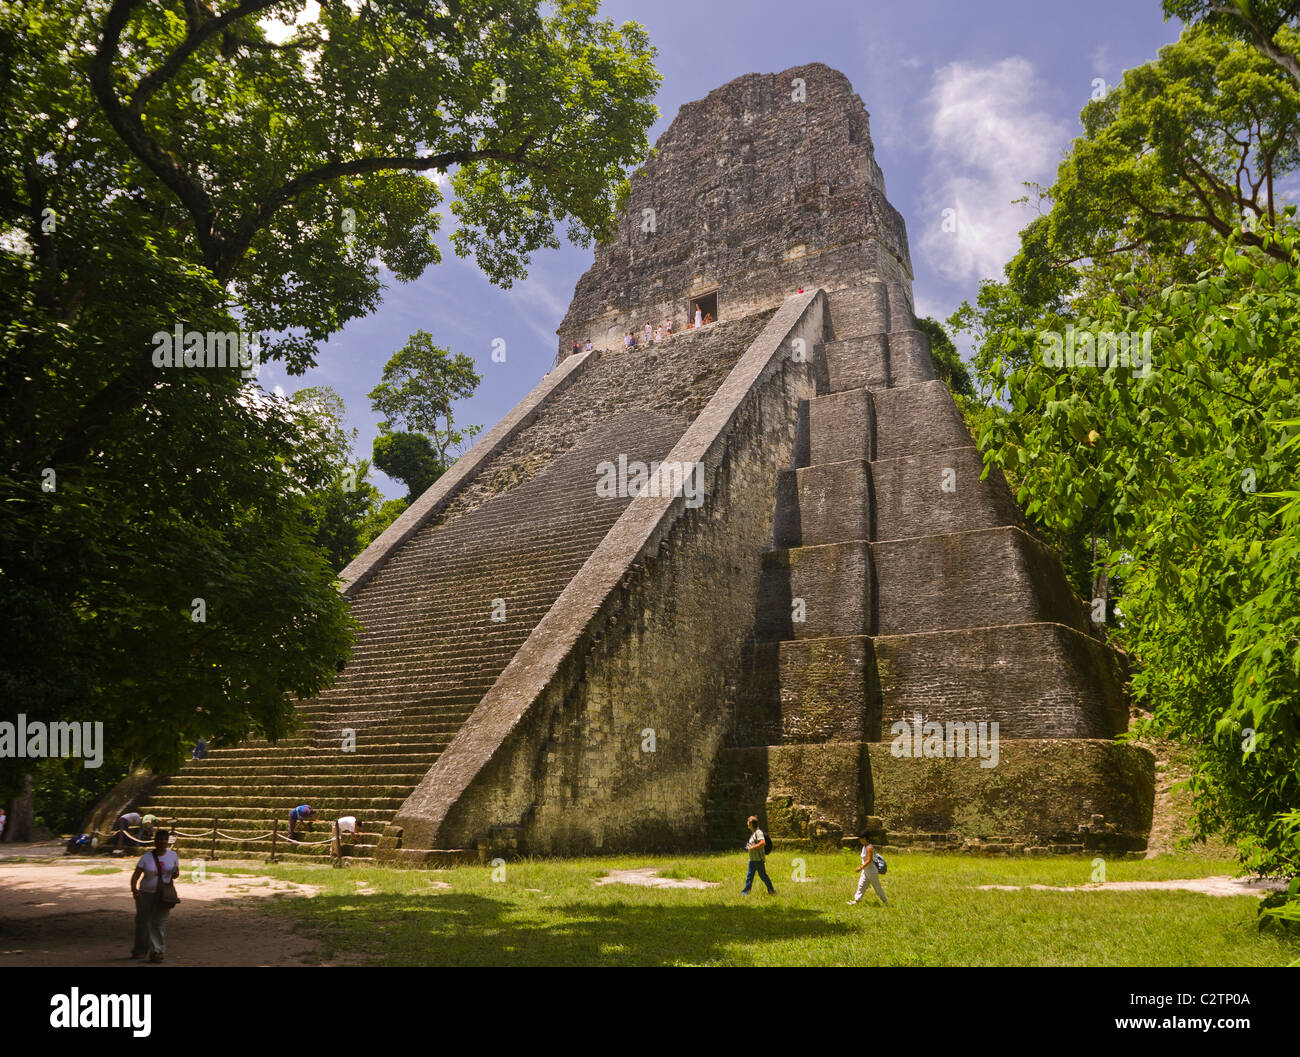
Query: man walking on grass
x,y
757,848
867,873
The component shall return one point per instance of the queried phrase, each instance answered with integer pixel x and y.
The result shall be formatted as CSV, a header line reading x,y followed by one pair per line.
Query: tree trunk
x,y
19,816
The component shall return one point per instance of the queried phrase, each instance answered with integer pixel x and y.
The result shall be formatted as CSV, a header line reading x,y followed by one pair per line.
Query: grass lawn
x,y
549,912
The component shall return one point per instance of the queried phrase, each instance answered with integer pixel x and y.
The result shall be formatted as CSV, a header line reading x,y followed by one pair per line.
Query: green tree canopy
x,y
420,383
1185,152
409,458
166,165
1164,231
348,511
948,364
1268,25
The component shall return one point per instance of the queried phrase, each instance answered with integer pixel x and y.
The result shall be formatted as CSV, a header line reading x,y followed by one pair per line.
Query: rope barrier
x,y
307,843
227,836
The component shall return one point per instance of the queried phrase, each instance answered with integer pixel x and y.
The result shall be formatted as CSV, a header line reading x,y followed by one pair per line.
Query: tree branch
x,y
196,36
1262,37
126,123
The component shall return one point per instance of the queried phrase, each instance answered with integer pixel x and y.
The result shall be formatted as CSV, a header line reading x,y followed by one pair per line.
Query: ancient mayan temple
x,y
548,668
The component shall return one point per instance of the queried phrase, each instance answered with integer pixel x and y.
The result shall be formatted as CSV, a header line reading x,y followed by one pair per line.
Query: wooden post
x,y
275,832
336,848
212,851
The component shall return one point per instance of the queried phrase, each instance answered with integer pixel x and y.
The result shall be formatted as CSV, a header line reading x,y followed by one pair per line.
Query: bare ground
x,y
53,913
1210,886
648,877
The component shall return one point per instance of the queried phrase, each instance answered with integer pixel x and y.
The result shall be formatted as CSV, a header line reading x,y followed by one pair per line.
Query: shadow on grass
x,y
466,929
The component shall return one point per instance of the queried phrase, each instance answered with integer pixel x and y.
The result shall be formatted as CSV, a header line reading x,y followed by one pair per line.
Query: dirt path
x,y
52,913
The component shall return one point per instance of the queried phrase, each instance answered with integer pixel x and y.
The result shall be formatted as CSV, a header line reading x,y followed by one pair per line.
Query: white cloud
x,y
1101,59
988,134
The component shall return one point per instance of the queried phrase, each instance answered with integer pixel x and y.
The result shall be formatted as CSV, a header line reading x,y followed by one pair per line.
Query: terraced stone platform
x,y
429,648
665,668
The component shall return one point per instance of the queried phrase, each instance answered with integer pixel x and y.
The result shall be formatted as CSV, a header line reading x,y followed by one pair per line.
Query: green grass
x,y
548,912
102,869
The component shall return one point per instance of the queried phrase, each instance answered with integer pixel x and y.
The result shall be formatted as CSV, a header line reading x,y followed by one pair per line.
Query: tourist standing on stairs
x,y
153,886
757,848
868,873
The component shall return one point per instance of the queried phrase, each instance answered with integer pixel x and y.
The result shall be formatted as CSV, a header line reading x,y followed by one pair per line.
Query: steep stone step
x,y
869,308
879,361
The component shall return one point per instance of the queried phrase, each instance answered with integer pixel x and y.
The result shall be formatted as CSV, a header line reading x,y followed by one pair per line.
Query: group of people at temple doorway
x,y
653,333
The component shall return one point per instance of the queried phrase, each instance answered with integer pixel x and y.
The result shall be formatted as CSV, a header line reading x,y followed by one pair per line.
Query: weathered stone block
x,y
917,419
858,310
938,493
1033,680
828,783
842,426
829,690
1038,794
909,358
900,305
834,503
854,363
968,580
833,583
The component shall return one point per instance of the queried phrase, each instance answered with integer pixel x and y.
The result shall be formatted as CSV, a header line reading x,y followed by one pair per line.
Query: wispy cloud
x,y
988,134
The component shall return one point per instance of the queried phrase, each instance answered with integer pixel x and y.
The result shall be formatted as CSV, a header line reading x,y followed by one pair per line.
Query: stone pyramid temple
x,y
749,567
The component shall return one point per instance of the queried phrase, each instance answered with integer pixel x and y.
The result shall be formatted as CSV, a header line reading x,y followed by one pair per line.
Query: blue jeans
x,y
756,867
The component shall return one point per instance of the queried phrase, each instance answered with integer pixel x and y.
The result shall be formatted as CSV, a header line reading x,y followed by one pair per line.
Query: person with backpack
x,y
153,886
872,867
758,847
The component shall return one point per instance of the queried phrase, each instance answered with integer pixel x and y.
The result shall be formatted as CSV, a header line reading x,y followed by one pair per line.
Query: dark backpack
x,y
878,861
767,844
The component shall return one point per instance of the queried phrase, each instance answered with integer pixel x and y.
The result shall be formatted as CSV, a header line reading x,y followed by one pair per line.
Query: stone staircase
x,y
899,585
428,650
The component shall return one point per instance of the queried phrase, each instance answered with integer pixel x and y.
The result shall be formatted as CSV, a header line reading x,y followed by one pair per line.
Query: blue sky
x,y
967,100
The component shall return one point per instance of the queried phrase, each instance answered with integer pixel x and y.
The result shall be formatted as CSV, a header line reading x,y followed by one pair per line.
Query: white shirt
x,y
171,866
699,318
348,824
